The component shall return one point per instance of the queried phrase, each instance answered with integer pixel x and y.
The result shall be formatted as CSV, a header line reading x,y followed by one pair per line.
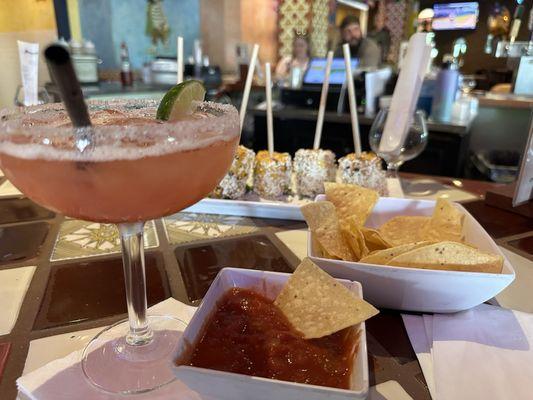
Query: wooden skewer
x,y
323,100
351,98
270,120
180,60
248,84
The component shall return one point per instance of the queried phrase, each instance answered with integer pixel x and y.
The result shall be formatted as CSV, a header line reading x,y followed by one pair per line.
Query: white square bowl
x,y
231,386
422,290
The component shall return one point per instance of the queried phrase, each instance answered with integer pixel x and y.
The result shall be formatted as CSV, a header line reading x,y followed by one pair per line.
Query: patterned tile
x,y
200,264
293,17
15,283
22,210
80,239
4,352
395,17
319,22
21,242
189,227
89,290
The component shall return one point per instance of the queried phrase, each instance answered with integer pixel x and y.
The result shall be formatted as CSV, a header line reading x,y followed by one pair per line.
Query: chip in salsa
x,y
248,334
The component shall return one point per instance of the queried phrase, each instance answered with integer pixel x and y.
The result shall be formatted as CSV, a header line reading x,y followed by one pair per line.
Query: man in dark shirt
x,y
381,36
365,49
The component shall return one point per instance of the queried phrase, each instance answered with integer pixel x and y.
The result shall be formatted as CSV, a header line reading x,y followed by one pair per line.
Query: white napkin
x,y
394,188
29,69
482,353
63,378
406,92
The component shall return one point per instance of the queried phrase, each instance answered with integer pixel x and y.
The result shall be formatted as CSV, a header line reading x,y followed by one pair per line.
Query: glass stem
x,y
131,236
392,170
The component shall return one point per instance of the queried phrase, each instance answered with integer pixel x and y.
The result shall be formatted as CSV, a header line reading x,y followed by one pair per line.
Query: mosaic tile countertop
x,y
61,279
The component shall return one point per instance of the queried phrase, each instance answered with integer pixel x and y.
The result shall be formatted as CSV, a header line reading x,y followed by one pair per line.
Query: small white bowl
x,y
231,386
421,290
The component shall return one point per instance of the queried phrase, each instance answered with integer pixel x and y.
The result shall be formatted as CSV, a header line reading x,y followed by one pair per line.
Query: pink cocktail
x,y
134,168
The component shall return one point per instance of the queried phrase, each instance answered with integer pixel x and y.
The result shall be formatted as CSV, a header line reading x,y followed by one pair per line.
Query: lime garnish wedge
x,y
178,101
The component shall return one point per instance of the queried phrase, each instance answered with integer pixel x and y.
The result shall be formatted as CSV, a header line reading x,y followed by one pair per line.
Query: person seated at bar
x,y
298,59
365,49
381,35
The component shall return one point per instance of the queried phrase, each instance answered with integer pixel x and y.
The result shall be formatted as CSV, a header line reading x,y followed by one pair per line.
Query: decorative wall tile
x,y
395,12
319,28
293,16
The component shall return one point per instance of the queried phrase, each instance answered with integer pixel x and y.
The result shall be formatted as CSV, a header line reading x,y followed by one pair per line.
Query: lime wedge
x,y
178,101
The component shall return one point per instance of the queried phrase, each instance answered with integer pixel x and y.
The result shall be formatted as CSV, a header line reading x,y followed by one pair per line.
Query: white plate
x,y
421,290
231,386
247,208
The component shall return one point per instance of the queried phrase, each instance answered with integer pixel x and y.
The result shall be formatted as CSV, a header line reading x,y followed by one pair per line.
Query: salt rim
x,y
111,141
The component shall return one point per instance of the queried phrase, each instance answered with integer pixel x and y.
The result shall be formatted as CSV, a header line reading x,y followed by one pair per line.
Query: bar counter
x,y
446,153
60,277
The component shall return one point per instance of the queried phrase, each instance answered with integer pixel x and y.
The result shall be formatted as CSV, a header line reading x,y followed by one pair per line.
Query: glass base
x,y
114,366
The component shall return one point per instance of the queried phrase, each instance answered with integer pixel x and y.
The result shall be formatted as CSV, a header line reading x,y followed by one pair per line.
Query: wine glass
x,y
414,143
136,169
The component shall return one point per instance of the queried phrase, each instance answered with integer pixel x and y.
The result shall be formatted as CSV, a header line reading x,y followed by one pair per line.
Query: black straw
x,y
62,73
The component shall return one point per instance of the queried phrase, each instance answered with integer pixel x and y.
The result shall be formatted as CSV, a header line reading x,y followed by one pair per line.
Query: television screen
x,y
451,16
317,69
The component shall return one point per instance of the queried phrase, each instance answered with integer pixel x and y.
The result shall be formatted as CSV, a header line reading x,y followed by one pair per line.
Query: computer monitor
x,y
316,71
450,16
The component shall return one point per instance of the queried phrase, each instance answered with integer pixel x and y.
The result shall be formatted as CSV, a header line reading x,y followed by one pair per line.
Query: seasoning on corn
x,y
272,174
233,185
312,169
365,171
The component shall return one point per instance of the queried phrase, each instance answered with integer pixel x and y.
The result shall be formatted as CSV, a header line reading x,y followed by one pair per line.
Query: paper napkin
x,y
482,353
63,378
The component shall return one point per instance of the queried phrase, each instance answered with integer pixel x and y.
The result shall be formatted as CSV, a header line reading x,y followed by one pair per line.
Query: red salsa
x,y
249,335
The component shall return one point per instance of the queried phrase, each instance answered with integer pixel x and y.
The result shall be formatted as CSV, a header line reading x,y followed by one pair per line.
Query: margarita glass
x,y
133,169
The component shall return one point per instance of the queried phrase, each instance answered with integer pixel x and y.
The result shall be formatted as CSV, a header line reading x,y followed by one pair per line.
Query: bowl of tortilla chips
x,y
413,255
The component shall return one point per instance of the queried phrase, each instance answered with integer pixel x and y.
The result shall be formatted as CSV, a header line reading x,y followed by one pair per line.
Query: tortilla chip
x,y
446,223
354,237
373,239
382,257
351,200
450,256
323,222
317,305
356,241
404,229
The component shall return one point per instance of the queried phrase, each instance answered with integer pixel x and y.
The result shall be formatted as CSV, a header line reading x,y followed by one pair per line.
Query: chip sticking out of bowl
x,y
317,305
351,200
446,223
322,220
447,256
